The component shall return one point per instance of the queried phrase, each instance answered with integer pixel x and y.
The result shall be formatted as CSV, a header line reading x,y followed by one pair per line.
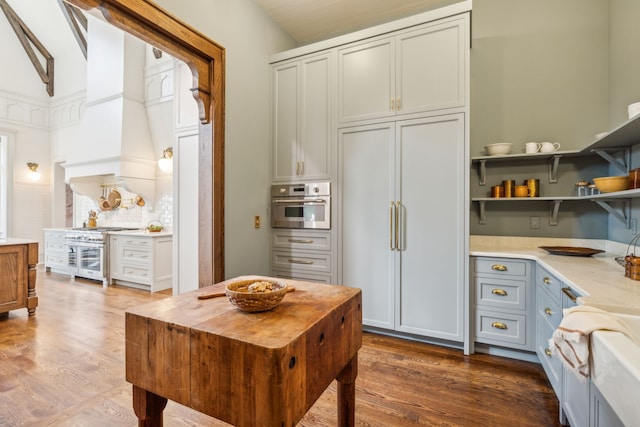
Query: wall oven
x,y
305,205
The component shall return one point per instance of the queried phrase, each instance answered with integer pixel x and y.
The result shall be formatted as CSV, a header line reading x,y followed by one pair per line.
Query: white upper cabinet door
x,y
302,117
366,81
411,72
317,95
366,191
285,120
431,68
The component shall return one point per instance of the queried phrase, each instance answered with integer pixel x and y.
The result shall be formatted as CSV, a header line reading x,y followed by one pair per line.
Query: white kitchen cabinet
x,y
141,261
302,118
56,251
413,71
401,215
504,295
302,255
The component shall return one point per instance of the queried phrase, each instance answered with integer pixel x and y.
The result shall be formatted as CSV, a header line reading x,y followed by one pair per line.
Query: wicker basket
x,y
253,302
631,262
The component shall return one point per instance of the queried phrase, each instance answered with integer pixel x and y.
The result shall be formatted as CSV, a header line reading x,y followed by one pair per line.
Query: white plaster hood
x,y
115,145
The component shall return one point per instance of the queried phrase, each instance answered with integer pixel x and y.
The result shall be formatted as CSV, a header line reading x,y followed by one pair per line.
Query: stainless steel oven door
x,y
91,261
301,212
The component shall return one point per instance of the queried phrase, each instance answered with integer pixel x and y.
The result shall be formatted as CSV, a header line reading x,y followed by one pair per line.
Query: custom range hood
x,y
114,144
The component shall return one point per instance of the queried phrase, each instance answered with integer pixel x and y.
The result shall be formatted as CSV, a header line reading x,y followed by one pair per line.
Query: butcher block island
x,y
247,369
18,260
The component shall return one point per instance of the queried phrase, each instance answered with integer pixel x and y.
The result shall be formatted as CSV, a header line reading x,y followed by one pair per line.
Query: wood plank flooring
x,y
65,367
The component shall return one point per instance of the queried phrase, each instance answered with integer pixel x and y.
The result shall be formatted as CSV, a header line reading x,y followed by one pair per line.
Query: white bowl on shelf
x,y
500,148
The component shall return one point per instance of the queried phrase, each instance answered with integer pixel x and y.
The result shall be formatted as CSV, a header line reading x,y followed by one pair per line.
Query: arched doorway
x,y
206,59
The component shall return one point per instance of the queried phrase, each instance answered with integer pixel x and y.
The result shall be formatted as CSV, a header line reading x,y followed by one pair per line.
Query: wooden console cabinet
x,y
18,259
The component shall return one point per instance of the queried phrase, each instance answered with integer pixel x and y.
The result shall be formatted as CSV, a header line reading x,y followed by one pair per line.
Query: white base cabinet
x,y
401,214
56,251
141,261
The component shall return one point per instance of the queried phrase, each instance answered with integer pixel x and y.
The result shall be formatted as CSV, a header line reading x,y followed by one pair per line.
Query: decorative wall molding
x,y
67,111
21,110
158,82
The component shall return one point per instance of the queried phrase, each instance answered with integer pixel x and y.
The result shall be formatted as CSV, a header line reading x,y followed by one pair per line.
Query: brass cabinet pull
x,y
500,292
397,225
392,104
548,311
499,267
398,104
547,351
300,241
499,325
391,247
569,294
301,168
299,261
547,281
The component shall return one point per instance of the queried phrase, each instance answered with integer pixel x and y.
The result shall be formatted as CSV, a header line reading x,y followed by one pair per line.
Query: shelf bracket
x,y
553,168
554,207
623,215
482,172
481,212
623,166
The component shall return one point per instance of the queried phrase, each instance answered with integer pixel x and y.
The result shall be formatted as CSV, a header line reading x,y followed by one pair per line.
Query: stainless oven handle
x,y
304,201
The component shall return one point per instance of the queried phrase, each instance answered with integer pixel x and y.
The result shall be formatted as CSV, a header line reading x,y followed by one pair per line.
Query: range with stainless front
x,y
305,205
89,252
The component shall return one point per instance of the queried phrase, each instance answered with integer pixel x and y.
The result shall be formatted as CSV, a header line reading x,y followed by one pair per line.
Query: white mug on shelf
x,y
532,147
549,147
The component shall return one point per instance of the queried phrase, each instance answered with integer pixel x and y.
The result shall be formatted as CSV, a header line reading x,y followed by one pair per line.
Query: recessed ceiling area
x,y
308,21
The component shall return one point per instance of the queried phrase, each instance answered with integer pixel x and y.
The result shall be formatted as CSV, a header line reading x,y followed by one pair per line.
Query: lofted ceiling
x,y
307,21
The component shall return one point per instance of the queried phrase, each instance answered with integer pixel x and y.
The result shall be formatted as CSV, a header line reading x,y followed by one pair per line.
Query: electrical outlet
x,y
534,222
256,221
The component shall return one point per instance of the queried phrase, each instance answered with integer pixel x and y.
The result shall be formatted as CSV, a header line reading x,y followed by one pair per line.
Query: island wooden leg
x,y
148,407
347,393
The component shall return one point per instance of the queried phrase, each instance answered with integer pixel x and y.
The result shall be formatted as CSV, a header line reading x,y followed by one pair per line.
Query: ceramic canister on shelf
x,y
497,191
534,187
509,186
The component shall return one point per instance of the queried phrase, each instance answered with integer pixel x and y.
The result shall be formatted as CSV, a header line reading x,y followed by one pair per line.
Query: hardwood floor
x,y
65,367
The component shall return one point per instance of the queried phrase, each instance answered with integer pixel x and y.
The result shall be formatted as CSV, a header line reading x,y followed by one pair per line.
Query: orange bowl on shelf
x,y
610,184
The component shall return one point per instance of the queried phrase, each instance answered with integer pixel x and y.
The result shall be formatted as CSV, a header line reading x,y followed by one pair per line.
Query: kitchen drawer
x,y
501,266
548,308
509,294
56,261
136,274
549,283
552,365
56,246
136,241
500,328
302,276
138,255
301,261
55,235
301,239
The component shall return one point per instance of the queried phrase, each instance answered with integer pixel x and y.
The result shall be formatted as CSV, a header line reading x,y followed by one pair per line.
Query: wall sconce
x,y
166,162
33,171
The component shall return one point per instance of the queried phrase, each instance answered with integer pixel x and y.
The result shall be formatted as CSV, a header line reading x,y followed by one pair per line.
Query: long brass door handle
x,y
499,267
391,207
397,226
500,292
499,325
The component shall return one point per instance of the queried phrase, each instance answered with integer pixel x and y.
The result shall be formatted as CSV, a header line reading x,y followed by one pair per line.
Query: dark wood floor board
x,y
65,367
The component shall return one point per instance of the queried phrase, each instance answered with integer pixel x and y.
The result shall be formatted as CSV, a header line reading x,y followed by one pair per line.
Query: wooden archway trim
x,y
206,59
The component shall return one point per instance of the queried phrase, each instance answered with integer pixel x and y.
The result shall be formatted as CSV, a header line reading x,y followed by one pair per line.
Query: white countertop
x,y
142,233
599,278
8,241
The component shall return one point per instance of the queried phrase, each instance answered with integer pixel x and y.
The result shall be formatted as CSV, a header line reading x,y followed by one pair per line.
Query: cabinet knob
x,y
500,292
548,311
499,267
547,281
547,351
499,325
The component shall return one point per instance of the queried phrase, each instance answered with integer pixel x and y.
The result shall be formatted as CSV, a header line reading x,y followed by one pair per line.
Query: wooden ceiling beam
x,y
78,24
29,41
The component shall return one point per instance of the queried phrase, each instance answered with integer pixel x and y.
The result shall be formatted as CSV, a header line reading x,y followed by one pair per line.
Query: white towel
x,y
571,340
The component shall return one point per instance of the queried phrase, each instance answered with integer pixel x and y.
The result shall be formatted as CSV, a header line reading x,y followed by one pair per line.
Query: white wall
x,y
249,37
